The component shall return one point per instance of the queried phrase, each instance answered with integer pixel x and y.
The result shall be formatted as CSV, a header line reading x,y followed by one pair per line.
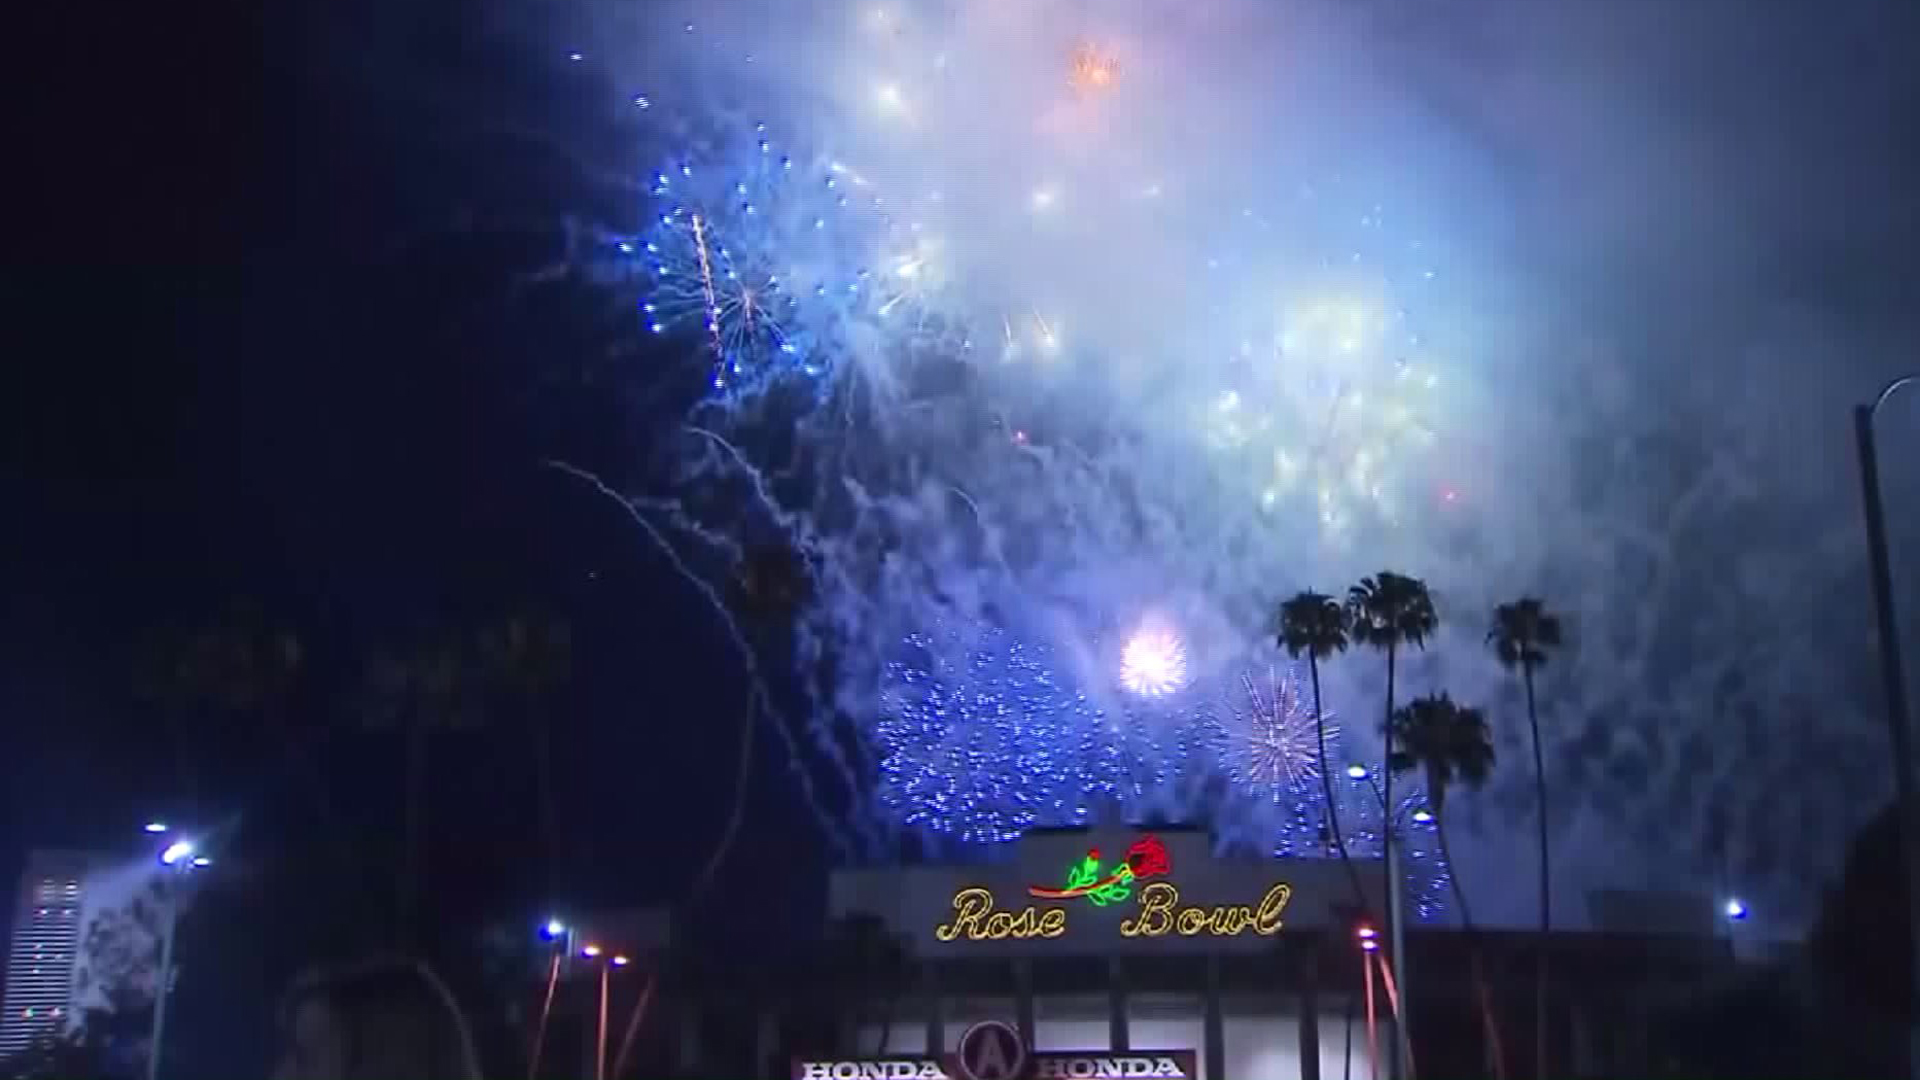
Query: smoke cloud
x,y
1166,310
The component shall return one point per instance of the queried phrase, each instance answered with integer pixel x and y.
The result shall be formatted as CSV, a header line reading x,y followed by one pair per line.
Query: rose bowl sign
x,y
1134,897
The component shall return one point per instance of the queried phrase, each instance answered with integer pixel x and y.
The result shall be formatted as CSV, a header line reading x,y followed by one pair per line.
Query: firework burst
x,y
769,258
1269,741
1153,663
981,739
1091,70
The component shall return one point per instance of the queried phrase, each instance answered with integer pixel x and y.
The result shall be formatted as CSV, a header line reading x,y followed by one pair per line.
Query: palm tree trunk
x,y
886,1019
302,765
1480,988
1396,930
413,857
1546,877
743,773
185,774
1326,784
543,768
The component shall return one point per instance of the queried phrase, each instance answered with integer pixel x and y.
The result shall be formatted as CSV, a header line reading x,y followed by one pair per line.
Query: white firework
x,y
1154,663
1269,733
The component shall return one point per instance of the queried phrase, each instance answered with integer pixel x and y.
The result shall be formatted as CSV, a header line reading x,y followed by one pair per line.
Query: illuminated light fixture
x,y
202,862
590,951
620,961
1357,772
156,826
179,849
1423,815
1735,909
553,929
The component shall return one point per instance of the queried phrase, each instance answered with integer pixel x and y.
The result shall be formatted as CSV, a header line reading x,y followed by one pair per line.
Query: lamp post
x,y
178,859
1402,1057
1895,681
561,937
608,963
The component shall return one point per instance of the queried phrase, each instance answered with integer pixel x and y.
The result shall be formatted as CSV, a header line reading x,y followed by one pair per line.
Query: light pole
x,y
1735,911
1895,680
1402,1057
178,859
557,933
594,952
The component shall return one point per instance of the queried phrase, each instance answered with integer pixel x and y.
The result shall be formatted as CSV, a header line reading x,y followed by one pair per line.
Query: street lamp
x,y
561,938
1895,680
595,952
178,859
1396,928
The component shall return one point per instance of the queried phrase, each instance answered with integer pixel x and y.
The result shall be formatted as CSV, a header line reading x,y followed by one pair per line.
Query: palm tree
x,y
1451,744
240,666
873,966
531,656
1316,624
424,686
1385,612
1522,633
234,666
769,587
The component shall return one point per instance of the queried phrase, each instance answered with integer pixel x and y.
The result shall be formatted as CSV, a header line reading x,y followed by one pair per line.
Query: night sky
x,y
266,367
274,342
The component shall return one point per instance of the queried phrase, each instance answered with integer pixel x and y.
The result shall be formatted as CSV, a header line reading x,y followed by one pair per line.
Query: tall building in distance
x,y
43,947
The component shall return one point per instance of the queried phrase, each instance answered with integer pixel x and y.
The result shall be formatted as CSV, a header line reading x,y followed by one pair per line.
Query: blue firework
x,y
981,739
765,257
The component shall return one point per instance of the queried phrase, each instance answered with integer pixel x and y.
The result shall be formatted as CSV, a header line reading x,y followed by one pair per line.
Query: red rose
x,y
1148,858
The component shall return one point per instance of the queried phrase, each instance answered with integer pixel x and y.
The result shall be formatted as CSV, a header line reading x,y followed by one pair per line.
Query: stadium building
x,y
1135,954
1145,955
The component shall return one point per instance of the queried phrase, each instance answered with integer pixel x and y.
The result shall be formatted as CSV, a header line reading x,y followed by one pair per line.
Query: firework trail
x,y
760,699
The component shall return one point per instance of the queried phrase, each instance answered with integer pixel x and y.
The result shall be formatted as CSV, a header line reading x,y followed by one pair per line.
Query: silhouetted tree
x,y
1316,624
241,674
1521,636
1450,744
1860,950
62,1057
530,656
434,683
770,586
873,964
